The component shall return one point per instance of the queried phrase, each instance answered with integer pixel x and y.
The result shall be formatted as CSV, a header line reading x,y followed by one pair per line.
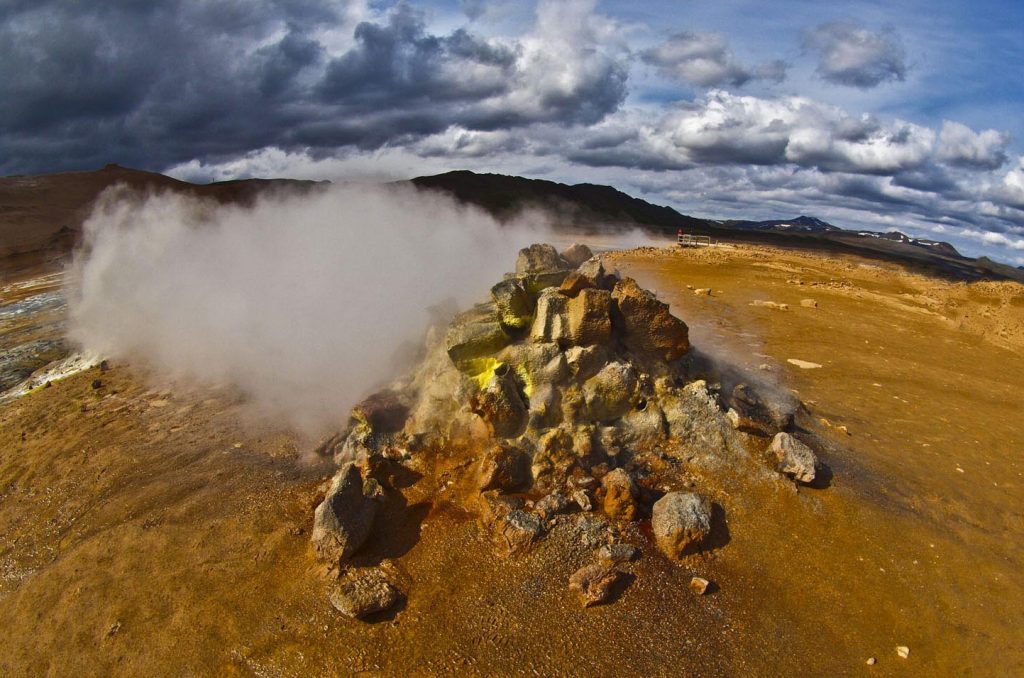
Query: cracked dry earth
x,y
166,532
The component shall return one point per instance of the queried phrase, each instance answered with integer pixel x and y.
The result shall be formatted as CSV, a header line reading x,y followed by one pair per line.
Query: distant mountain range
x,y
41,216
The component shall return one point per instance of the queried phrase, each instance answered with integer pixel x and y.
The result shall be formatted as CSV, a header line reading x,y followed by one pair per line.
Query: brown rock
x,y
504,467
589,319
646,325
383,412
699,585
550,324
501,406
363,592
794,458
620,495
594,583
573,284
539,258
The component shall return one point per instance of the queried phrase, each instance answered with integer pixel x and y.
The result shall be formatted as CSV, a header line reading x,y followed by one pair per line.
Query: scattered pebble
x,y
803,364
703,291
809,303
699,585
903,651
871,661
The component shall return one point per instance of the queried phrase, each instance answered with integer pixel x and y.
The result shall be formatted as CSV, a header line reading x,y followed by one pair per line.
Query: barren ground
x,y
146,531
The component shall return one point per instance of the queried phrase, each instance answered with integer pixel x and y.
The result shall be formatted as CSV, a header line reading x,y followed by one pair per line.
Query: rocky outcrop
x,y
343,520
680,521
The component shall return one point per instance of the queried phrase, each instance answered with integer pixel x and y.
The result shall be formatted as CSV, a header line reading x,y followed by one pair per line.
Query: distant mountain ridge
x,y
41,216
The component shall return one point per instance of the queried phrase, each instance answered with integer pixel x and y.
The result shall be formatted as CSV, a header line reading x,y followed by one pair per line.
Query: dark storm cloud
x,y
851,55
159,83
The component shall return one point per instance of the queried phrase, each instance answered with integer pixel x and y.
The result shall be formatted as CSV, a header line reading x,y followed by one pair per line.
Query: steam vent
x,y
570,402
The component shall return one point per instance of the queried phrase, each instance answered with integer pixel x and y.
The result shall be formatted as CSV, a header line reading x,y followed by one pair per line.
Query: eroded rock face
x,y
794,458
343,520
680,521
589,317
539,258
514,304
647,326
551,323
609,393
475,334
500,404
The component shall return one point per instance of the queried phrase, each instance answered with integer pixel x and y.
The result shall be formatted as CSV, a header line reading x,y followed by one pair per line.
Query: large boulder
x,y
504,467
679,521
609,393
343,520
514,303
576,254
647,327
551,323
620,495
794,458
501,405
361,593
594,271
589,319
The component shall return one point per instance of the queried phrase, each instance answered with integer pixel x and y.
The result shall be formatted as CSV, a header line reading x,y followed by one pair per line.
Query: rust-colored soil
x,y
165,532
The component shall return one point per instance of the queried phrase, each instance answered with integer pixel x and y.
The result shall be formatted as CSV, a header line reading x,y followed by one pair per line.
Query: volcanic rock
x,y
501,405
384,412
504,467
573,284
363,592
593,270
343,520
515,305
754,412
613,554
620,495
609,393
554,459
680,520
699,585
551,323
576,254
582,499
648,329
594,583
475,334
794,458
589,319
539,258
585,361
552,505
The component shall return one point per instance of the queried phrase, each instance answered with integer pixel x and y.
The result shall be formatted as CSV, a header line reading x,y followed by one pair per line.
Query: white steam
x,y
300,301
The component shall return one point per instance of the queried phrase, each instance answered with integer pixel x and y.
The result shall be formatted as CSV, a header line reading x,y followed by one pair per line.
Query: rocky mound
x,y
572,395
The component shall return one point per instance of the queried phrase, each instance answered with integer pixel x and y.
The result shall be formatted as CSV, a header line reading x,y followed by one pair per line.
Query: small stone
x,y
699,585
620,498
903,651
871,661
770,304
803,364
809,303
702,291
364,592
594,583
96,383
582,500
613,554
552,505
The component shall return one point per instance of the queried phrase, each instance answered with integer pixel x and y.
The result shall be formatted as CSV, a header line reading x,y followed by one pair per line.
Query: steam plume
x,y
299,301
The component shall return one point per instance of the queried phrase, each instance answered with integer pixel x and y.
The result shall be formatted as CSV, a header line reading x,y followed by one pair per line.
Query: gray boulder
x,y
514,303
539,258
343,520
680,520
550,324
794,458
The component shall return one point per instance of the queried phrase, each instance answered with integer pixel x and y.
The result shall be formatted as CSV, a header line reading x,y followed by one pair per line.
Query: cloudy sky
x,y
855,112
